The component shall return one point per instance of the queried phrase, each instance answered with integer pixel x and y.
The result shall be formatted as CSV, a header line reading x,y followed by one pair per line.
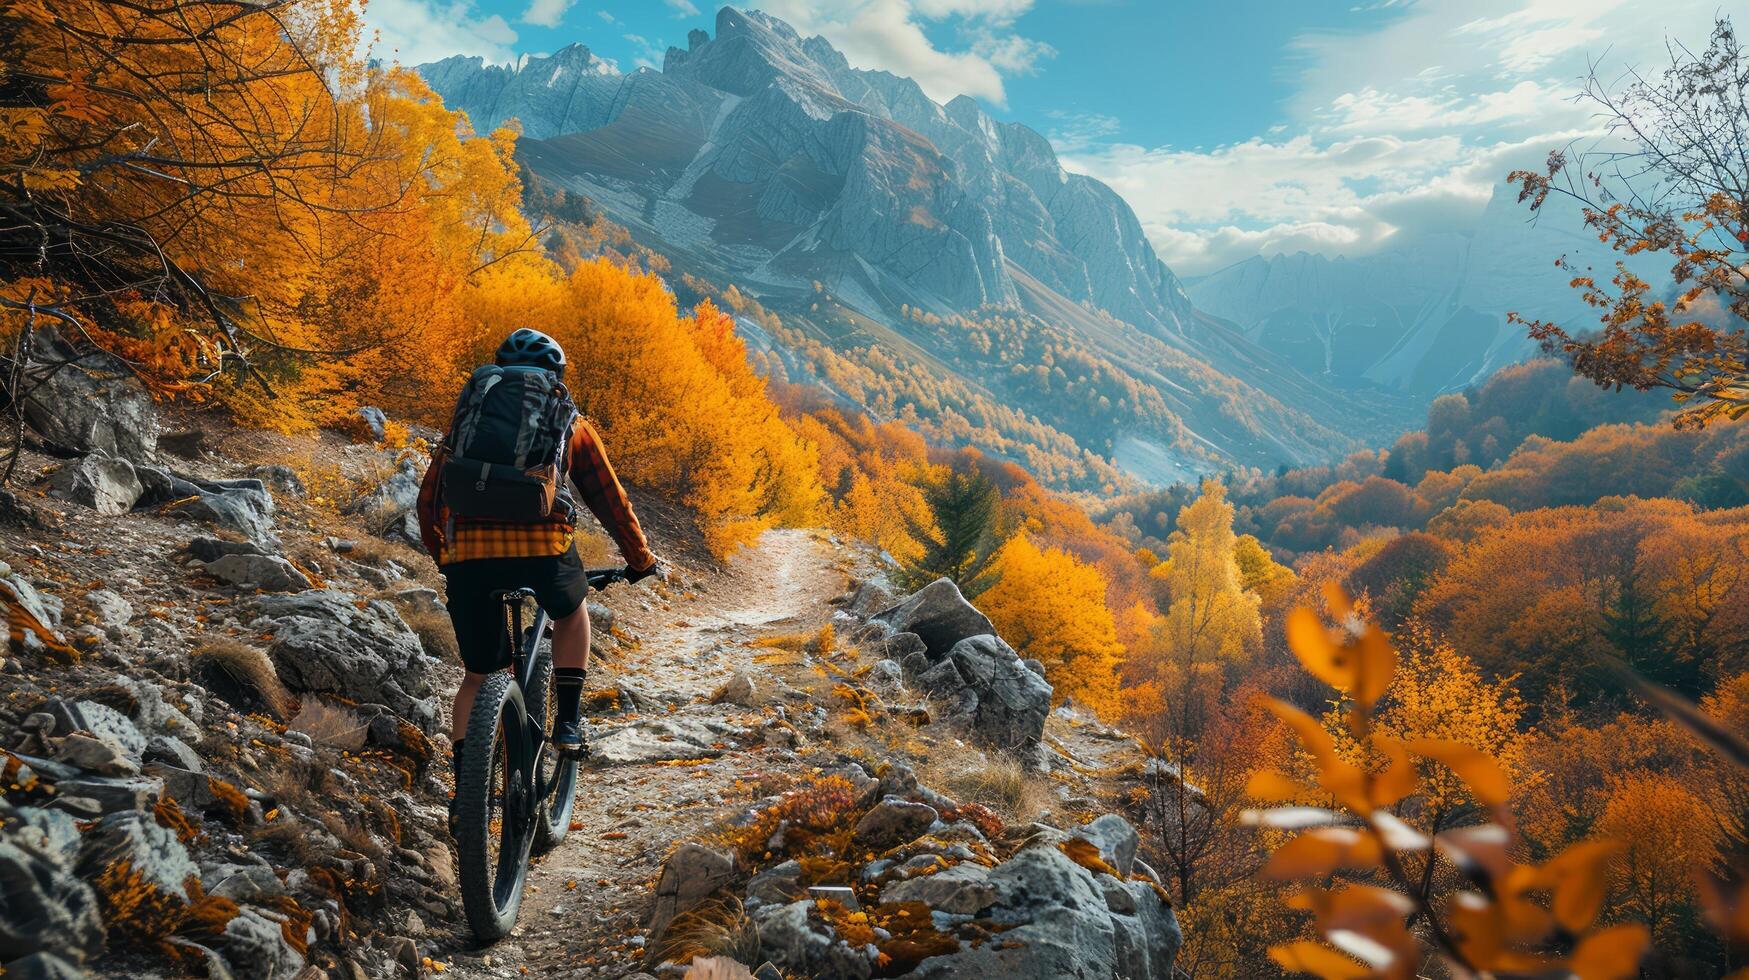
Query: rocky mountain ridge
x,y
850,203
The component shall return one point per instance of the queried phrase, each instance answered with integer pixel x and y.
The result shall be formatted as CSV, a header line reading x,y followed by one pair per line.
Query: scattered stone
x,y
282,478
30,618
375,421
99,720
243,506
420,600
106,484
44,908
113,611
107,794
243,883
864,599
739,690
269,573
1116,839
212,549
601,619
255,947
172,750
97,753
777,885
691,874
893,822
390,509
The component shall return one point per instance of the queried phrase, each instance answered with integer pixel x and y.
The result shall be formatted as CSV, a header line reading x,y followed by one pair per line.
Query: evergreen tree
x,y
963,541
1641,637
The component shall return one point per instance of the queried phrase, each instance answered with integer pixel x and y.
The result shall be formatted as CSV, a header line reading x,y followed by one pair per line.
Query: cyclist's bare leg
x,y
571,639
464,704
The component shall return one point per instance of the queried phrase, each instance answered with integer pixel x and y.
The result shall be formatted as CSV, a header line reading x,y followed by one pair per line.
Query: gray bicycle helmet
x,y
531,348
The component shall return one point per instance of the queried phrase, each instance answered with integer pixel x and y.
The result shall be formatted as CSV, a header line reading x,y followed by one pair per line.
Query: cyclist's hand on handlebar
x,y
658,570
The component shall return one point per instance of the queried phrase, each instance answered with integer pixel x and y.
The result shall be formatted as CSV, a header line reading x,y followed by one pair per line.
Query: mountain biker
x,y
482,556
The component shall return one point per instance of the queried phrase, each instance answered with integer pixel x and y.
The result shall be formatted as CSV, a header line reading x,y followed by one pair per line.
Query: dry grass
x,y
250,670
997,782
378,552
331,725
435,633
719,927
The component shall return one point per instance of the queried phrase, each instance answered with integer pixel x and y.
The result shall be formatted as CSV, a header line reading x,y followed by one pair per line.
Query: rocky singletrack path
x,y
668,765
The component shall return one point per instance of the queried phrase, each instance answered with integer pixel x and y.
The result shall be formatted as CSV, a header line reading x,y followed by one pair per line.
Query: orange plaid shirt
x,y
598,488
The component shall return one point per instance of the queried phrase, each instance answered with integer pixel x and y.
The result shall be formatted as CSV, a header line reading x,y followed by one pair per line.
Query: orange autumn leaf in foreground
x,y
1462,892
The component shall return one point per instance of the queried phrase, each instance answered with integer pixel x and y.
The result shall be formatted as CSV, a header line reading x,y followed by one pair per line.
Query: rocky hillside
x,y
226,689
852,204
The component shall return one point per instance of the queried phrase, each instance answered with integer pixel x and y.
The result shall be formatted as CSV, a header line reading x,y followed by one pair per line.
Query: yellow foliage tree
x,y
1051,606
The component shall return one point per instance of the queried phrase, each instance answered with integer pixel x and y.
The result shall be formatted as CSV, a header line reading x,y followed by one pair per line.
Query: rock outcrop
x,y
951,653
329,641
87,401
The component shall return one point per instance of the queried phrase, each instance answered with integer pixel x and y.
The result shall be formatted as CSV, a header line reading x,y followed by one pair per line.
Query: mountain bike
x,y
514,791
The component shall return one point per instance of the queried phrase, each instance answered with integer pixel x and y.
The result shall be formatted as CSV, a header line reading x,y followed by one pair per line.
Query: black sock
x,y
568,682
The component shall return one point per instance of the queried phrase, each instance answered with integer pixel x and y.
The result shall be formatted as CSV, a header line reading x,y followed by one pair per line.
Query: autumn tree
x,y
1051,607
1680,189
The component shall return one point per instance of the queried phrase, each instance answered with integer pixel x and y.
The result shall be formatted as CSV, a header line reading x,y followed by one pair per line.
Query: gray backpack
x,y
506,445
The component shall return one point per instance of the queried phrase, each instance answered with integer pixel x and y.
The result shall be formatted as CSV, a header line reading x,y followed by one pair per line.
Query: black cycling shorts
x,y
559,585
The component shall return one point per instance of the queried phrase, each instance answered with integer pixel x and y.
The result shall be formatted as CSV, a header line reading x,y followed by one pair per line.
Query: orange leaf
x,y
1399,779
1580,878
1476,768
1611,954
1271,785
1322,851
1306,956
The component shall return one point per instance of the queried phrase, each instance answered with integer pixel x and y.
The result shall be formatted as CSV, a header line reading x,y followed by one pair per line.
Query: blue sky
x,y
1234,128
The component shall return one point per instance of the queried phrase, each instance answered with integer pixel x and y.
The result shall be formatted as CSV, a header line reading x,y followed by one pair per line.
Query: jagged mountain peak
x,y
760,157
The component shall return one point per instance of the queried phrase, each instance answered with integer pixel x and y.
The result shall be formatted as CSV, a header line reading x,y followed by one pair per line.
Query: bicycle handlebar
x,y
600,578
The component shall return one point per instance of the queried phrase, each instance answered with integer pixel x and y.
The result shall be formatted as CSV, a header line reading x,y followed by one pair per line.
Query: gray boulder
x,y
245,510
212,549
791,942
865,599
99,720
690,875
1116,839
254,947
106,484
269,573
390,509
43,907
1061,924
938,614
329,641
91,404
375,420
988,691
963,889
151,851
893,822
108,794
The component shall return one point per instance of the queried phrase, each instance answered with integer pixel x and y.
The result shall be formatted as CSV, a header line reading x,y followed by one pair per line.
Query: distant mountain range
x,y
892,229
1422,317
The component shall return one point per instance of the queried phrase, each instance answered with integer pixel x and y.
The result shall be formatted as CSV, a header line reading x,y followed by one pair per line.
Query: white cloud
x,y
889,35
417,31
649,53
1402,131
682,8
546,13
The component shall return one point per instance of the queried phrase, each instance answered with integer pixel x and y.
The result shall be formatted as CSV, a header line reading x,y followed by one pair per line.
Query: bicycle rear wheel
x,y
493,830
555,776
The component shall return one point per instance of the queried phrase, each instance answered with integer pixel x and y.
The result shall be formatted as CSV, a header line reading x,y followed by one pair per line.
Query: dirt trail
x,y
584,910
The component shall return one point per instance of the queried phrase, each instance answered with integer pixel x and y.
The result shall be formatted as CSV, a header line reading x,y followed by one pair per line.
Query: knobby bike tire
x,y
497,743
553,819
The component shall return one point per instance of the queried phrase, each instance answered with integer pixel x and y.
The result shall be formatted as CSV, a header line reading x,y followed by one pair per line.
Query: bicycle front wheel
x,y
493,830
555,775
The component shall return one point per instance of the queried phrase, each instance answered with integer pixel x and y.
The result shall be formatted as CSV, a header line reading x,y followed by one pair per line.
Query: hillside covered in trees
x,y
1542,595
